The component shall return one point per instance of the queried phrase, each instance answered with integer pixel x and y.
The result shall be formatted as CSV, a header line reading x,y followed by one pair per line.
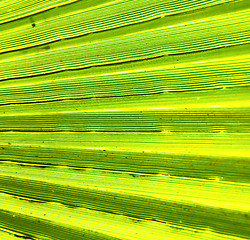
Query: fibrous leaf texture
x,y
124,119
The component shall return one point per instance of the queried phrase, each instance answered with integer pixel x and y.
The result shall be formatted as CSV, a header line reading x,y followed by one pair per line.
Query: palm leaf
x,y
124,119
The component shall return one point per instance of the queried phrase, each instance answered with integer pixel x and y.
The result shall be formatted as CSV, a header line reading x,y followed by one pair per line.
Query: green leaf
x,y
124,119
